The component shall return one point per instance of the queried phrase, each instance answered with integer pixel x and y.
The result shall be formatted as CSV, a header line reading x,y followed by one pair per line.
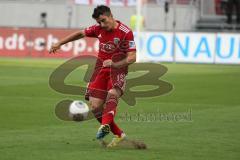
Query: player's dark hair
x,y
101,10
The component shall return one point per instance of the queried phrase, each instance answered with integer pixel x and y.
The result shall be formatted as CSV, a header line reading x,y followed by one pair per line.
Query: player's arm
x,y
72,37
131,58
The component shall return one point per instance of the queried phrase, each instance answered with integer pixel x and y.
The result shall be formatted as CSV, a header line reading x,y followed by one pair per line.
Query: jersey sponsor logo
x,y
116,44
108,47
111,47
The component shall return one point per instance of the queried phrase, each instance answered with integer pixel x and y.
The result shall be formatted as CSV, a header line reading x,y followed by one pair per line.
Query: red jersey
x,y
113,44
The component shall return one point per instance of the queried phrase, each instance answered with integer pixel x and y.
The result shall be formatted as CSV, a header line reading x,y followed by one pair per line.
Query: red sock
x,y
110,110
115,129
109,113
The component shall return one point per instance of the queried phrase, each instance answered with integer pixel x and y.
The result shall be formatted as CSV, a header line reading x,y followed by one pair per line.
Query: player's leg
x,y
96,94
109,113
110,107
96,106
116,88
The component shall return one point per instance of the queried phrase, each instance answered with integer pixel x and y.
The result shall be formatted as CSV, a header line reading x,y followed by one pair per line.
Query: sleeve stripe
x,y
124,29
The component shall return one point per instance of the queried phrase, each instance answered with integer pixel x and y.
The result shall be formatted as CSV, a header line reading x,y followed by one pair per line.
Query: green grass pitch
x,y
30,130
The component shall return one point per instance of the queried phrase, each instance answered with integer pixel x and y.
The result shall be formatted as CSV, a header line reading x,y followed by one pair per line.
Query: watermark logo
x,y
157,116
152,74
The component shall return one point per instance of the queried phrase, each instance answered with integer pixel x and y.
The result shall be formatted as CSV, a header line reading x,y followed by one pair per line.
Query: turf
x,y
30,130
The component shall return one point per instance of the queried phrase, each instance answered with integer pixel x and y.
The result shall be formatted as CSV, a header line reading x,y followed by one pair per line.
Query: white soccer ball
x,y
78,110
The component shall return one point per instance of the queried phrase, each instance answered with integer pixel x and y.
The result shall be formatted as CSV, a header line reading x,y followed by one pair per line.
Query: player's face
x,y
106,22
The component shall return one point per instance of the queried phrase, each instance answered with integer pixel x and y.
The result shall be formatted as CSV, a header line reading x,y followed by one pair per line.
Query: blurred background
x,y
166,30
159,15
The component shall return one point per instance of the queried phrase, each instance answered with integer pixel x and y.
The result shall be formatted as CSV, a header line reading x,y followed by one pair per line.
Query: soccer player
x,y
117,50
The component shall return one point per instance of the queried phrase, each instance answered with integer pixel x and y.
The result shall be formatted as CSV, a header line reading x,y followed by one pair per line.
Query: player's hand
x,y
54,48
107,63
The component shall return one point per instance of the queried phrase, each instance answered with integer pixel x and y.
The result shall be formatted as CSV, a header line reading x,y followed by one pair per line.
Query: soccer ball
x,y
78,111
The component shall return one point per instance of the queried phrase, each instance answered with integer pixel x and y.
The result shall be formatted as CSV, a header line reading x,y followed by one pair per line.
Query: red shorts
x,y
103,80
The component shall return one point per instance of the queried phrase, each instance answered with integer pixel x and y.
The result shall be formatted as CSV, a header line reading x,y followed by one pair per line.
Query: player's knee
x,y
94,105
114,93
